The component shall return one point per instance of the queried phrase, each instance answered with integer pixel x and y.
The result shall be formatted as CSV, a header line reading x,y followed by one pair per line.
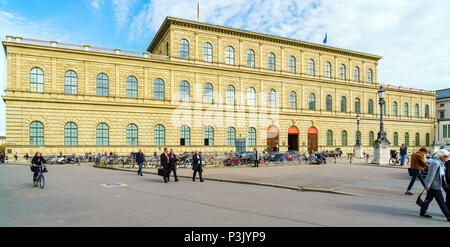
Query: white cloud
x,y
412,36
96,5
122,10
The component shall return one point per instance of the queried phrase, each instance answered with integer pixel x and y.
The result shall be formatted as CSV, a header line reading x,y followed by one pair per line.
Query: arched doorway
x,y
293,138
312,139
272,139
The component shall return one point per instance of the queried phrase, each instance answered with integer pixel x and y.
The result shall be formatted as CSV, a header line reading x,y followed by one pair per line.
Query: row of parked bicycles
x,y
217,159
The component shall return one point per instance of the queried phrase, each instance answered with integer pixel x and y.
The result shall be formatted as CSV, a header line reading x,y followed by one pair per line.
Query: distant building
x,y
443,114
2,140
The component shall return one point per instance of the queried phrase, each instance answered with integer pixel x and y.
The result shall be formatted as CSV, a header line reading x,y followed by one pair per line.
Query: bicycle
x,y
40,178
395,160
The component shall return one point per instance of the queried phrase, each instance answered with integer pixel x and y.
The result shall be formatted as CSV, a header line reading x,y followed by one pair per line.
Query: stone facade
x,y
54,108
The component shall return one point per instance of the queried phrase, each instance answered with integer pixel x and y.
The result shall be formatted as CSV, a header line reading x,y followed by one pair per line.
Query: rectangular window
x,y
441,114
444,131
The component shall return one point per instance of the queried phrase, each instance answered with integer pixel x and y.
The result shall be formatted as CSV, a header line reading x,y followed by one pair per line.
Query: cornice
x,y
264,37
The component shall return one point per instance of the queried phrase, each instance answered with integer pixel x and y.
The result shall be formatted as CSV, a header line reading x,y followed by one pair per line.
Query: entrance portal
x,y
293,138
312,139
272,139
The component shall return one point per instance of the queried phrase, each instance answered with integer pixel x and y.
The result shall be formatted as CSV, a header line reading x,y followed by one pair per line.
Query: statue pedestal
x,y
382,153
358,151
434,148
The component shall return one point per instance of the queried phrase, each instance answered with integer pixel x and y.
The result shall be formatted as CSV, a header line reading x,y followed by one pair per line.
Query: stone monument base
x,y
382,153
358,151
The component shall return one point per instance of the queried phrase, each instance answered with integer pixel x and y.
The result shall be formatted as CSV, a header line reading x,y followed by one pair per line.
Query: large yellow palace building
x,y
201,87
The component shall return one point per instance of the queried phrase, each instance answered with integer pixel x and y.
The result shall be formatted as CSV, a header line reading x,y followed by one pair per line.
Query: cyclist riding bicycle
x,y
37,163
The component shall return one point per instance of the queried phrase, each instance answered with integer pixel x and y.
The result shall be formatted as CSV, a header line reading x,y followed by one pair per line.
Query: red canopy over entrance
x,y
293,130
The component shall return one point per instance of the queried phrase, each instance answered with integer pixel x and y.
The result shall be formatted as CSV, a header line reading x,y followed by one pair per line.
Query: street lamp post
x,y
382,149
358,146
435,146
358,135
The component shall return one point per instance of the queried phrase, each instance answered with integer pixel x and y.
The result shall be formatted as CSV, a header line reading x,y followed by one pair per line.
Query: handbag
x,y
161,172
419,200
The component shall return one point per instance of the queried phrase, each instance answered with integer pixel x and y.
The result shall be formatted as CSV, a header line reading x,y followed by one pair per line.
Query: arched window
x,y
343,104
158,85
36,134
312,101
356,73
394,108
329,138
207,52
132,135
344,138
417,140
405,109
251,58
427,111
230,95
395,139
208,93
184,49
311,68
185,136
160,136
131,87
231,136
407,139
184,91
102,85
370,104
357,105
251,97
371,138
252,137
36,80
342,72
102,135
70,134
416,110
329,103
229,55
292,66
292,100
427,139
209,136
271,61
369,76
70,82
328,69
272,98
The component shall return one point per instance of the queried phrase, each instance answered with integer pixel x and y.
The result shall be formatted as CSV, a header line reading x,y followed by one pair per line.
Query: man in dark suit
x,y
197,165
165,164
172,165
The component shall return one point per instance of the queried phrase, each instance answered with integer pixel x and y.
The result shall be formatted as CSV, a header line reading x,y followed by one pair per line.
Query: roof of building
x,y
2,137
443,93
205,26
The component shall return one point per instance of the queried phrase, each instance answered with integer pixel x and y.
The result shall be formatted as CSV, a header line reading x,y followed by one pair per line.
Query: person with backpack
x,y
403,152
140,161
36,163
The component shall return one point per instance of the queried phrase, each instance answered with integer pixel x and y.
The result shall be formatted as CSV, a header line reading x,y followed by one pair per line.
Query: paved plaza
x,y
77,196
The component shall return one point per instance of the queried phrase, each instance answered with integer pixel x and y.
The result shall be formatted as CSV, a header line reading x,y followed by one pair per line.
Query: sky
x,y
413,37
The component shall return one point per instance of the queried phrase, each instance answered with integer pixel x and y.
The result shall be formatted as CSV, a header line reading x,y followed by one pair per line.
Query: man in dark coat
x,y
165,164
172,166
197,166
140,161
